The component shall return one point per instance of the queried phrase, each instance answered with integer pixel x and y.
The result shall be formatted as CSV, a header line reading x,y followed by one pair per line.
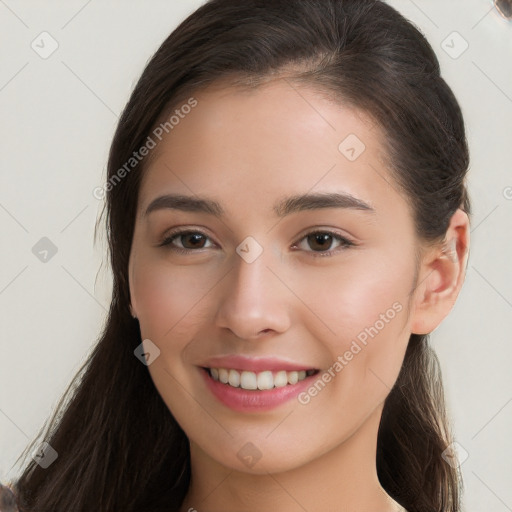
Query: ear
x,y
441,275
132,311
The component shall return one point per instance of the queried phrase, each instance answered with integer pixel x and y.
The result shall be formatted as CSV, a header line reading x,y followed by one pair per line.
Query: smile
x,y
254,392
258,381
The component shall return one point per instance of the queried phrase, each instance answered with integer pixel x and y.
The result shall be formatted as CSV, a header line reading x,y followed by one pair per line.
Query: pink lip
x,y
254,364
243,400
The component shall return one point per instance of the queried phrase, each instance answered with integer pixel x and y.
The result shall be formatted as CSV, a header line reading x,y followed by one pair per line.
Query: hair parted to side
x,y
119,448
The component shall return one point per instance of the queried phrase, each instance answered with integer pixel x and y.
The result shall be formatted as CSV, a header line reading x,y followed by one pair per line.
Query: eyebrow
x,y
282,208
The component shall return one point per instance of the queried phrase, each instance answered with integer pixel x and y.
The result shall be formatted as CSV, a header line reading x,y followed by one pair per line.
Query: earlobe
x,y
441,276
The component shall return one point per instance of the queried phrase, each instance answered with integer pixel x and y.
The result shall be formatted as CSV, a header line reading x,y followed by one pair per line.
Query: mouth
x,y
258,381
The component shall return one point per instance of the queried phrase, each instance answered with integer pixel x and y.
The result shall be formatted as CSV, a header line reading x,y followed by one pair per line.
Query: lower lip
x,y
243,400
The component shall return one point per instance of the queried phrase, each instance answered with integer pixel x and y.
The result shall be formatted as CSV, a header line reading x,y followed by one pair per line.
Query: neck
x,y
344,478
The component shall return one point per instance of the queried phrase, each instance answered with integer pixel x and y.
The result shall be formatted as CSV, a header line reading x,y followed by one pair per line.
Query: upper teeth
x,y
261,380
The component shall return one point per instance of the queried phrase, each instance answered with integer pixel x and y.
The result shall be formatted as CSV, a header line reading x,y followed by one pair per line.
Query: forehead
x,y
248,147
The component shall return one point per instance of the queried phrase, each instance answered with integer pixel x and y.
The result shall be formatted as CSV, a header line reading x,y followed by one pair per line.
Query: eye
x,y
319,241
322,240
189,239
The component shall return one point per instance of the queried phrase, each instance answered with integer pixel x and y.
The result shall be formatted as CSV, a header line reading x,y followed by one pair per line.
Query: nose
x,y
254,299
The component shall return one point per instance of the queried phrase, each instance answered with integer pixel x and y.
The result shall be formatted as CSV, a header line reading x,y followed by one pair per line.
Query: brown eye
x,y
192,240
321,242
188,241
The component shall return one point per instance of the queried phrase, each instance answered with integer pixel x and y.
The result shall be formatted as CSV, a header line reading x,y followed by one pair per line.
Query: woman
x,y
288,221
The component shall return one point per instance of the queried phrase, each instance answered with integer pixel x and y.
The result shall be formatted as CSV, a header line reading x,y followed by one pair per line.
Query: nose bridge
x,y
253,299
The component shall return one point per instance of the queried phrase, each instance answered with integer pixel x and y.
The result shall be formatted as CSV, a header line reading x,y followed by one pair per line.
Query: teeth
x,y
265,380
262,380
248,380
280,379
293,377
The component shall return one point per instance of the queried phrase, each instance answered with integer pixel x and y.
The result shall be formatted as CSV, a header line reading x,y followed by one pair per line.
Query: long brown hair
x,y
119,447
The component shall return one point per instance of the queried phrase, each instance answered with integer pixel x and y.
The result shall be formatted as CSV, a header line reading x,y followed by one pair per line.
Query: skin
x,y
247,150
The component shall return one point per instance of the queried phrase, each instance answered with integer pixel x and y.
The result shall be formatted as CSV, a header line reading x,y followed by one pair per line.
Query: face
x,y
314,284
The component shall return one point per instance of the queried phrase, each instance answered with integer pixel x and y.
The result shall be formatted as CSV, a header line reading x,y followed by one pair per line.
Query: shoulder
x,y
7,500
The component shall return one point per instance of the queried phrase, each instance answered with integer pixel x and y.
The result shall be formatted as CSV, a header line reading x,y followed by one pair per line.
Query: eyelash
x,y
345,242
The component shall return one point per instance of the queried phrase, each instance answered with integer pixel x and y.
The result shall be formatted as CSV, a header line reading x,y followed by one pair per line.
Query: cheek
x,y
351,298
168,298
363,312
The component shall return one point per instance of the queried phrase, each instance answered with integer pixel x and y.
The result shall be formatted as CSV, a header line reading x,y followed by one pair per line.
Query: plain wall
x,y
58,115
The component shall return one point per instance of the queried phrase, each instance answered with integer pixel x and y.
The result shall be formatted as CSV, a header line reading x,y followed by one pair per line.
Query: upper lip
x,y
255,364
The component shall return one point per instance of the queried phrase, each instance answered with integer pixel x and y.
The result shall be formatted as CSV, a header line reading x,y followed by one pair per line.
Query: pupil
x,y
195,236
324,240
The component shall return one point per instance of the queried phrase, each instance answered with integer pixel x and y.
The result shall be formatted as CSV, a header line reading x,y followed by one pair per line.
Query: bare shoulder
x,y
7,500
